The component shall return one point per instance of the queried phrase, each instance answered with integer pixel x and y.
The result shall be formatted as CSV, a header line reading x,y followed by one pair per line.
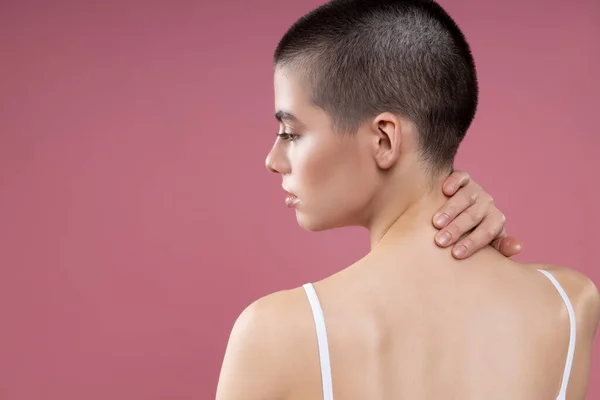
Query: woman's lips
x,y
291,200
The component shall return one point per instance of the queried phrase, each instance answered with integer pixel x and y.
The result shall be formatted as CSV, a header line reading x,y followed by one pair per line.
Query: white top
x,y
324,346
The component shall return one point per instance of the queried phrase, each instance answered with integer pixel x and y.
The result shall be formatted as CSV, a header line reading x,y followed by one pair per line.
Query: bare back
x,y
404,327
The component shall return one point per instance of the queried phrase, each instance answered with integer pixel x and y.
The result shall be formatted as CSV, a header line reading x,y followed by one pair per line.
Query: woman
x,y
373,100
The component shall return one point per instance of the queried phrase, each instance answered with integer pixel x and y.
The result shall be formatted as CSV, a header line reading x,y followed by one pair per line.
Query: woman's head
x,y
354,78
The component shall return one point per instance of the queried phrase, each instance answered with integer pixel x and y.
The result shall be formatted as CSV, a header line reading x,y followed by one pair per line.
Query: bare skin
x,y
469,220
409,320
419,327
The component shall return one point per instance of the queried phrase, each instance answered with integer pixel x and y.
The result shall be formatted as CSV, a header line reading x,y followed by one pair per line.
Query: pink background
x,y
137,218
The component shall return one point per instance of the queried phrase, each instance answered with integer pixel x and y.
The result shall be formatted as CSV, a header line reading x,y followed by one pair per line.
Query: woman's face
x,y
330,179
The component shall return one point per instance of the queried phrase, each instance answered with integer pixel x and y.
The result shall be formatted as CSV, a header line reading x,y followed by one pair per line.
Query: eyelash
x,y
289,137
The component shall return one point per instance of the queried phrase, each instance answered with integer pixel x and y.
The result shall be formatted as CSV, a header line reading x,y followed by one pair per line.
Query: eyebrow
x,y
283,115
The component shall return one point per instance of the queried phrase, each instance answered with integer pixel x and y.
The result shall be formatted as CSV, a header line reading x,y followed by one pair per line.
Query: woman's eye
x,y
290,137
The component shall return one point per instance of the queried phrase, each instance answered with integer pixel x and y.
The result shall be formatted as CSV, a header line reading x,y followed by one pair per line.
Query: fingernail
x,y
519,247
442,219
451,188
460,251
444,238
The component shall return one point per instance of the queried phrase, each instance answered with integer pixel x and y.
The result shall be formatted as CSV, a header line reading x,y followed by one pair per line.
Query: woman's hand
x,y
469,207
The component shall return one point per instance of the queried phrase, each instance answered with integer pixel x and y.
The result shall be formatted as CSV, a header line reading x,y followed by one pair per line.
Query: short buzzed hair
x,y
408,57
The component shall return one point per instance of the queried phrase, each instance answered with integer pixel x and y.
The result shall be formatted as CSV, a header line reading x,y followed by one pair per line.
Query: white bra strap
x,y
562,394
319,318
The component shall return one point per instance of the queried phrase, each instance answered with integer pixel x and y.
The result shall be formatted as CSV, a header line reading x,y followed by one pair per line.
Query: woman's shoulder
x,y
268,341
580,289
572,280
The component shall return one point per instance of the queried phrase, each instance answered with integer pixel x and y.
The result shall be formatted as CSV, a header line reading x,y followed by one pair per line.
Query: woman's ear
x,y
387,137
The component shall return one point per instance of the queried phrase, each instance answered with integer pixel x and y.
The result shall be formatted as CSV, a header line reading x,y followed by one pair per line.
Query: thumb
x,y
508,246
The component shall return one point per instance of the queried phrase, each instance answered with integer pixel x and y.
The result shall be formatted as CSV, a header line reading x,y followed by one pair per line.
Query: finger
x,y
455,205
483,235
455,181
462,224
508,246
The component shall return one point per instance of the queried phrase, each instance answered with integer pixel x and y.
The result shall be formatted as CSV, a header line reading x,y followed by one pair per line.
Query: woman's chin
x,y
312,223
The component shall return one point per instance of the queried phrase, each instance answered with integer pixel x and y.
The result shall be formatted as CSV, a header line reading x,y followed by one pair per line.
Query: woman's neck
x,y
410,212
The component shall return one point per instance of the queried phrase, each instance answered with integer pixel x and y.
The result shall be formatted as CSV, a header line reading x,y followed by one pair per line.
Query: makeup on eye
x,y
287,136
